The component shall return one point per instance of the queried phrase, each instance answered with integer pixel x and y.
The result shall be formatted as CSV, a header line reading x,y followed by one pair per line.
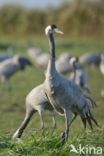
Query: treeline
x,y
79,18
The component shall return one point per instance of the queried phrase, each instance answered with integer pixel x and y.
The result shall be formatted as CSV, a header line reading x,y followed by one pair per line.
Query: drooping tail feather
x,y
89,120
92,102
83,121
89,116
93,119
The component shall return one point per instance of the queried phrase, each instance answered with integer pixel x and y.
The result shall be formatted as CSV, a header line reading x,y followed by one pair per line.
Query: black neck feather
x,y
52,46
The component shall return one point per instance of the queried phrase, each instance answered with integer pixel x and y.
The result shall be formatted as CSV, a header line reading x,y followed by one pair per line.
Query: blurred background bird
x,y
90,59
12,65
62,63
78,75
38,57
9,67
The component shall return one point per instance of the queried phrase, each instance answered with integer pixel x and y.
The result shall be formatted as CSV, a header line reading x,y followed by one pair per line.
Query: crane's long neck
x,y
51,65
52,46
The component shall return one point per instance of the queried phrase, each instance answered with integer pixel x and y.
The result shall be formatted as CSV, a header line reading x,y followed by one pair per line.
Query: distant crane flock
x,y
58,94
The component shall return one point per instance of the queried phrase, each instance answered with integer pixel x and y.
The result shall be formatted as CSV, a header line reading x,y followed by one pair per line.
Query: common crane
x,y
63,92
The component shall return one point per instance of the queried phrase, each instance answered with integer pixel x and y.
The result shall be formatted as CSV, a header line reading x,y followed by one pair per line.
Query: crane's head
x,y
52,29
74,63
73,60
22,61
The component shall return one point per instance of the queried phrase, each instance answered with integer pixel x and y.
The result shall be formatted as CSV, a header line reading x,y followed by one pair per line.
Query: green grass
x,y
48,143
12,105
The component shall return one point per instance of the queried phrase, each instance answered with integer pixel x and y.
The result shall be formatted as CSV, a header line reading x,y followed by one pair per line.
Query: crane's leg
x,y
53,119
68,114
41,119
21,129
75,116
91,118
83,118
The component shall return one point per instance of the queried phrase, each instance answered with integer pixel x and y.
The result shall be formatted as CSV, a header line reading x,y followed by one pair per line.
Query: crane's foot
x,y
17,141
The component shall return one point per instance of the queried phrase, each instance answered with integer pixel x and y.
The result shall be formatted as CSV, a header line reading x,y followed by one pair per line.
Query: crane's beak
x,y
58,31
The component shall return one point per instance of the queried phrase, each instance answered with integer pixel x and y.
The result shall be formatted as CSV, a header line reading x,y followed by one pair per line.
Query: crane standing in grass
x,y
37,100
63,93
